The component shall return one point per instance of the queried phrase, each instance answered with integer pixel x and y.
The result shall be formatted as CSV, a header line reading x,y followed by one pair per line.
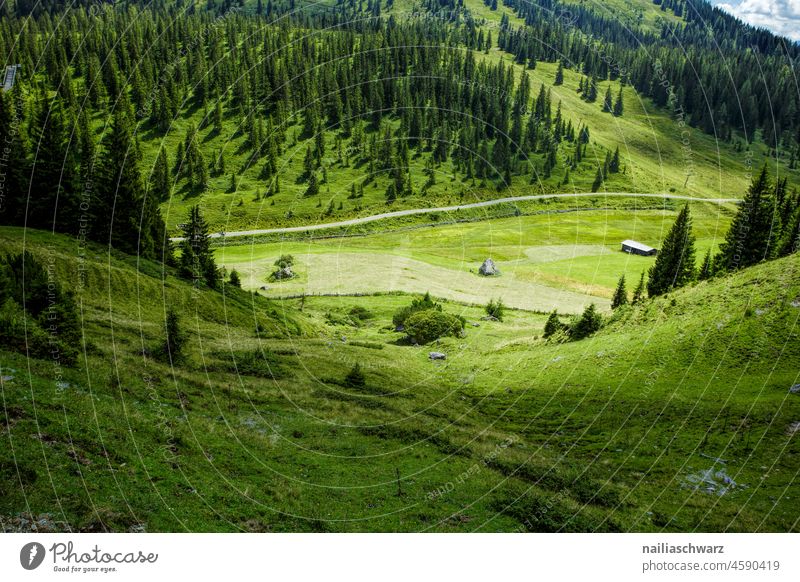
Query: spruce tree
x,y
705,269
752,236
54,185
589,322
313,185
618,106
790,240
17,170
620,294
674,266
608,105
120,191
355,378
638,292
613,165
552,325
598,179
160,180
197,259
174,338
591,91
559,80
218,118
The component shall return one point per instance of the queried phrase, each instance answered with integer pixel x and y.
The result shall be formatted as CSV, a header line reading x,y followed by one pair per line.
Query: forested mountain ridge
x,y
290,113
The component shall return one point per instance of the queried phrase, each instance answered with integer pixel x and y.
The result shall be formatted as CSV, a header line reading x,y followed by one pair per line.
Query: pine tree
x,y
17,167
559,74
88,154
790,236
160,180
197,259
120,191
218,118
613,165
591,91
54,185
752,236
608,105
705,269
355,378
620,294
618,106
674,266
598,179
309,162
590,322
313,185
638,293
553,325
193,164
174,338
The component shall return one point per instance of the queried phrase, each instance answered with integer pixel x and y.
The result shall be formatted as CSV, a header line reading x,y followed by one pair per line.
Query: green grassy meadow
x,y
563,260
256,431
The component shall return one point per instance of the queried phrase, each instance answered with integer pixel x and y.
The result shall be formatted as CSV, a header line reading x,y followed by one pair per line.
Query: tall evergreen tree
x,y
620,297
54,183
752,235
674,266
160,179
613,165
15,156
313,185
591,92
608,105
589,322
559,80
552,325
197,259
618,105
638,292
790,238
120,191
706,268
598,179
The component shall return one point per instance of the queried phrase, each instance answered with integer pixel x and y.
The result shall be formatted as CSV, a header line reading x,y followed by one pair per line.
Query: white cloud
x,y
780,16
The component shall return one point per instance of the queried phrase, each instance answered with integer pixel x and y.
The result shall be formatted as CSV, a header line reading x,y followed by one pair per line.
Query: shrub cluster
x,y
424,304
424,321
425,326
581,327
37,316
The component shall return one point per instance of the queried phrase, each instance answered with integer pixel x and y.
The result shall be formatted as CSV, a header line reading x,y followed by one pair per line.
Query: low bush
x,y
423,304
425,326
355,378
496,309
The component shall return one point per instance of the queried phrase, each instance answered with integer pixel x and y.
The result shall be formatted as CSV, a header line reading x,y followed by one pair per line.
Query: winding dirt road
x,y
414,211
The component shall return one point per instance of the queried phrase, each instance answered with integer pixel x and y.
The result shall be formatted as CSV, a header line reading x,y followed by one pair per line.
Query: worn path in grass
x,y
413,211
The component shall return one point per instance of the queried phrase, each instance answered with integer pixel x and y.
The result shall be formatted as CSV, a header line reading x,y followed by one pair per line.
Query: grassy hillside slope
x,y
258,432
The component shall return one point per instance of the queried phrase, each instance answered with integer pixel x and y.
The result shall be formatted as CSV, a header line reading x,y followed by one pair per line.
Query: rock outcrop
x,y
489,269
